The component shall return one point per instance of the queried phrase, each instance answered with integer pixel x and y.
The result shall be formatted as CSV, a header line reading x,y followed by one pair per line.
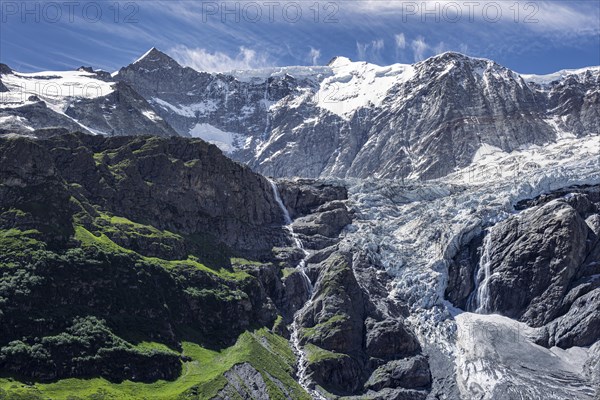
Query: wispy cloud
x,y
203,60
568,17
419,47
314,55
370,51
400,40
440,48
554,17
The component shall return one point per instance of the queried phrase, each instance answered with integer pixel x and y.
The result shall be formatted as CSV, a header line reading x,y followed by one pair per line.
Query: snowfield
x,y
416,228
548,78
226,141
57,88
355,85
495,359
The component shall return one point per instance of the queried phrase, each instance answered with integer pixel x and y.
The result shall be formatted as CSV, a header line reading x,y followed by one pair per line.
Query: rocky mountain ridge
x,y
354,119
83,100
347,119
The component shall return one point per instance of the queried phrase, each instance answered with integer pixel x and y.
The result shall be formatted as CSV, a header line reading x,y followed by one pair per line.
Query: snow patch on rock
x,y
226,141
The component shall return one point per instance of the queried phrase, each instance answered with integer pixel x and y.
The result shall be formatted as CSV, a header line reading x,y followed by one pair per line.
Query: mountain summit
x,y
156,57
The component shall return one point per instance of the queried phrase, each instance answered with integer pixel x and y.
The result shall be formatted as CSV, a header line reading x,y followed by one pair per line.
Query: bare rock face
x,y
122,112
535,258
580,325
348,337
406,373
461,270
389,339
244,382
542,268
304,196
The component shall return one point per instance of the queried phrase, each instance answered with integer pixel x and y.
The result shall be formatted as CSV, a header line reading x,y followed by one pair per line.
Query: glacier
x,y
415,228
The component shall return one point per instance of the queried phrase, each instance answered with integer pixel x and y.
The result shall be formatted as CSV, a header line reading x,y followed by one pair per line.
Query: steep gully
x,y
303,377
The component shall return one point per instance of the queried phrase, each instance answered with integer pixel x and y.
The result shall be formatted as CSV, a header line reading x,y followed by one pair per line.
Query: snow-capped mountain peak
x,y
562,74
355,85
153,55
338,61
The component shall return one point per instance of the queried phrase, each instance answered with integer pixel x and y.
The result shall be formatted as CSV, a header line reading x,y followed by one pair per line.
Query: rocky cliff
x,y
539,266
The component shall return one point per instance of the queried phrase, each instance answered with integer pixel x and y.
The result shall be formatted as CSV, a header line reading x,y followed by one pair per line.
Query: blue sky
x,y
529,37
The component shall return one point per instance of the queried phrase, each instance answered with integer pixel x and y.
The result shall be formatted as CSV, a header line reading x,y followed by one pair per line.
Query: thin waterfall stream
x,y
303,378
479,299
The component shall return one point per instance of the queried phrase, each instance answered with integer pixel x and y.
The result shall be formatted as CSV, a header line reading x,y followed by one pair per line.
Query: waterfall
x,y
288,226
479,300
303,378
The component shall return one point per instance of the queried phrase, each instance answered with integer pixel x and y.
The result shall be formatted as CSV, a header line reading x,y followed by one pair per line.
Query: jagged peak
x,y
86,69
5,69
454,61
338,61
153,55
448,56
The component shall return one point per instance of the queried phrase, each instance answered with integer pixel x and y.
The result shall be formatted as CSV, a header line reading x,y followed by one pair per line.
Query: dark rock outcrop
x,y
389,339
409,373
5,69
304,196
461,270
347,336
